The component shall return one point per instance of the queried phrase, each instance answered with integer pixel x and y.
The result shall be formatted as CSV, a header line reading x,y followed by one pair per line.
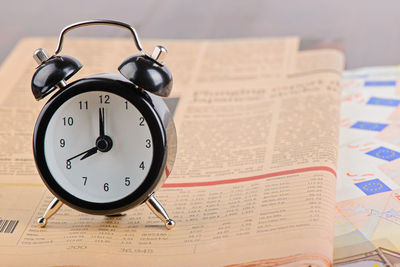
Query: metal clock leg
x,y
53,207
159,211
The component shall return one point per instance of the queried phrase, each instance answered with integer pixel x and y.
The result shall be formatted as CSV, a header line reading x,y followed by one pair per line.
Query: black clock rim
x,y
137,98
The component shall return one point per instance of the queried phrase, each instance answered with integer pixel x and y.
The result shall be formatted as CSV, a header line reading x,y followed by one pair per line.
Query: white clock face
x,y
98,147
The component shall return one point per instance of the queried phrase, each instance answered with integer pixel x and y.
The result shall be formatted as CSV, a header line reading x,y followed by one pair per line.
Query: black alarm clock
x,y
105,143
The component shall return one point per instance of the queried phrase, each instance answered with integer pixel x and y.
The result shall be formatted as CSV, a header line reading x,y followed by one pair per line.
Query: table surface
x,y
365,29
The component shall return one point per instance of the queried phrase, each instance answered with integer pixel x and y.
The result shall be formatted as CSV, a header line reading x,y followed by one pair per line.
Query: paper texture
x,y
254,180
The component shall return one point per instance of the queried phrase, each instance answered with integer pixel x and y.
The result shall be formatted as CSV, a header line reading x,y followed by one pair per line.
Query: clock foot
x,y
116,215
53,207
159,211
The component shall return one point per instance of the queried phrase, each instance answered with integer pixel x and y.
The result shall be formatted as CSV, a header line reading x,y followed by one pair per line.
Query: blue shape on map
x,y
383,101
370,126
380,83
384,153
372,187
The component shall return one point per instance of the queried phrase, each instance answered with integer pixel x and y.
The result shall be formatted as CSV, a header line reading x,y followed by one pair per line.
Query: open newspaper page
x,y
254,178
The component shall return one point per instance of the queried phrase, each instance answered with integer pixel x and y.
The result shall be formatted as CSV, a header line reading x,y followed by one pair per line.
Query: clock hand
x,y
88,153
104,142
101,121
94,150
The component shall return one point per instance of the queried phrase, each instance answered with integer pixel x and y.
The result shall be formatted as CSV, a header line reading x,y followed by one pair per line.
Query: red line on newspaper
x,y
251,178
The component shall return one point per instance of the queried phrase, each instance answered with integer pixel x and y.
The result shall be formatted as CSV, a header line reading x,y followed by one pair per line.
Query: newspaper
x,y
254,179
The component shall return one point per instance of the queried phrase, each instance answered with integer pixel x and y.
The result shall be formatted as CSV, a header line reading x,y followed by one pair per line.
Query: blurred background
x,y
368,31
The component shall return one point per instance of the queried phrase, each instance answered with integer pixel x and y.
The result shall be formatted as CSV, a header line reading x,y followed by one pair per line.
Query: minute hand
x,y
101,121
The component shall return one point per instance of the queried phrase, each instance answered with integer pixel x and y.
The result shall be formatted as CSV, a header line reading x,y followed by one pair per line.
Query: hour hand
x,y
86,153
90,152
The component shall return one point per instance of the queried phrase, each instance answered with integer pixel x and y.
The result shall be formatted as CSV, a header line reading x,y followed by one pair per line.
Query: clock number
x,y
106,187
126,104
68,121
141,165
68,165
62,143
104,99
127,181
148,143
83,105
141,121
85,180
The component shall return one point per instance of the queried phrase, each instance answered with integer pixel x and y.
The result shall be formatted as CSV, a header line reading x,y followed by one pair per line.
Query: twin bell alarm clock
x,y
105,143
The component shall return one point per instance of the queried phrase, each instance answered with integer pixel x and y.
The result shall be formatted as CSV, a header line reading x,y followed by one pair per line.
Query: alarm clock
x,y
104,144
